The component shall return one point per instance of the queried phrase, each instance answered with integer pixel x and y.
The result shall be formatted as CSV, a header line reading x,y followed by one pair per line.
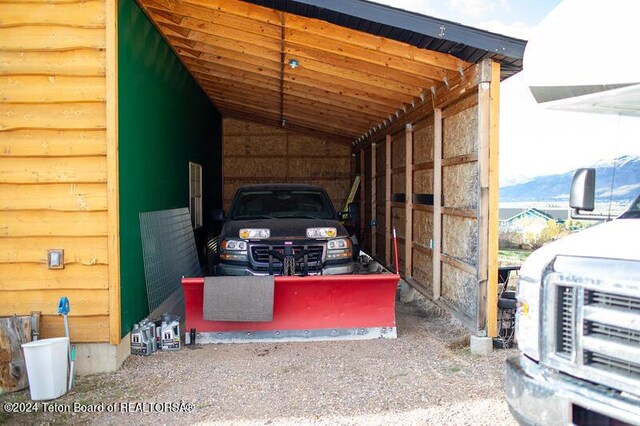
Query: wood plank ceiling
x,y
346,82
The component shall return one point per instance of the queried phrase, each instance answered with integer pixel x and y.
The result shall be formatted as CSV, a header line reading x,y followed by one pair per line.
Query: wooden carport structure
x,y
281,66
95,108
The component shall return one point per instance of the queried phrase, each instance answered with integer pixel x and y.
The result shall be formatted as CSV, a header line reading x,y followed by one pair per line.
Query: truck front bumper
x,y
227,269
537,395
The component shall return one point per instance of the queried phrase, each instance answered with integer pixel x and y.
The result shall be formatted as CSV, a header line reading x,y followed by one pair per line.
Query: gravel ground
x,y
426,376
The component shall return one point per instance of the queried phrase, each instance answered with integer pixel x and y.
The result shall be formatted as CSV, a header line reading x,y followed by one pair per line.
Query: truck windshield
x,y
276,204
634,210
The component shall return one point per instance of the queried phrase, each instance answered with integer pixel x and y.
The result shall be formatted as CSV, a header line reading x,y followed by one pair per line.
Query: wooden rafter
x,y
347,82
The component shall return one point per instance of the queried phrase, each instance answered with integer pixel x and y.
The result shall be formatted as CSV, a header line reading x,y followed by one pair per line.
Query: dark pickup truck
x,y
284,229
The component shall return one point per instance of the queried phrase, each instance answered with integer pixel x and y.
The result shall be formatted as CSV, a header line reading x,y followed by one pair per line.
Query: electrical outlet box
x,y
55,259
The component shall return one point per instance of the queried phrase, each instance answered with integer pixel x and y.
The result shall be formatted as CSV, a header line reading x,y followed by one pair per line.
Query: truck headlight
x,y
233,250
528,311
321,232
254,234
340,248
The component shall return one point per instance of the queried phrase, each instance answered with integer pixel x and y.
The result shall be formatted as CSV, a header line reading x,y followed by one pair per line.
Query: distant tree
x,y
550,233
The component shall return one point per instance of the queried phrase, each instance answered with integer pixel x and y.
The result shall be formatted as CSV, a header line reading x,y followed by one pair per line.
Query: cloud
x,y
516,29
420,6
477,9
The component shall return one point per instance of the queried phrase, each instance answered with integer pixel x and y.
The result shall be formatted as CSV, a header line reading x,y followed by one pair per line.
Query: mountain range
x,y
624,171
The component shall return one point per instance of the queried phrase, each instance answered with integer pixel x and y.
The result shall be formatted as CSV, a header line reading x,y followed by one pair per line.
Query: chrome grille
x,y
612,333
614,300
260,254
604,362
592,330
566,319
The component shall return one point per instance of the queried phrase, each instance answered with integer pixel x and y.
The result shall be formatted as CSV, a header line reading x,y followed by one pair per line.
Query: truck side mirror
x,y
217,215
583,189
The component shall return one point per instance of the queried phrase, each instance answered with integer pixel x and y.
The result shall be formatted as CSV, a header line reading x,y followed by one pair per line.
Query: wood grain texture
x,y
14,331
59,197
83,302
51,89
53,116
78,62
296,158
234,50
36,277
53,170
51,223
83,329
53,161
53,143
33,250
50,37
77,14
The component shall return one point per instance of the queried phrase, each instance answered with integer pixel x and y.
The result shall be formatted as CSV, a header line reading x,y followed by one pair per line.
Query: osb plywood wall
x,y
460,183
53,166
255,153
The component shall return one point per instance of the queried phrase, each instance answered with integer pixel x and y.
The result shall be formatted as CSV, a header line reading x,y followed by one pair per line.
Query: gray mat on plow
x,y
246,299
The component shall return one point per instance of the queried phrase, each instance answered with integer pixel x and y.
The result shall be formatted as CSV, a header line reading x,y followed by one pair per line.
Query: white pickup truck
x,y
578,315
578,327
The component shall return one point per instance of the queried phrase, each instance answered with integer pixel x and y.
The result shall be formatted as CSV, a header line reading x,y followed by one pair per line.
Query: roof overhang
x,y
333,68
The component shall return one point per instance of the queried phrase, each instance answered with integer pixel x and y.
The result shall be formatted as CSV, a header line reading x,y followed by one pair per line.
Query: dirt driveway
x,y
426,376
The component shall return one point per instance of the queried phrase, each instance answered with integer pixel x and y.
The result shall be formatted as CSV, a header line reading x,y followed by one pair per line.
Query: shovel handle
x,y
395,250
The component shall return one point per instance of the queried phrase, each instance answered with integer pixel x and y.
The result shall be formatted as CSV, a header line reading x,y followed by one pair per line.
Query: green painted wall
x,y
165,121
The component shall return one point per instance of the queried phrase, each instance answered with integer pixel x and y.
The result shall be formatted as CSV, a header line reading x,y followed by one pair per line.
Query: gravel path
x,y
426,376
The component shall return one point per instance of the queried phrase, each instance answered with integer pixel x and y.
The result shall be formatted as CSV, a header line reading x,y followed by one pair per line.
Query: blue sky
x,y
510,17
534,141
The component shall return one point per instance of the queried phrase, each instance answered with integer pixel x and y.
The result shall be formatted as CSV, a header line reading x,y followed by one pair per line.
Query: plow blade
x,y
326,307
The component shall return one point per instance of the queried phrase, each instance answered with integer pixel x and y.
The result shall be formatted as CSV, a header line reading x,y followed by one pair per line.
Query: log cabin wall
x,y
54,165
258,153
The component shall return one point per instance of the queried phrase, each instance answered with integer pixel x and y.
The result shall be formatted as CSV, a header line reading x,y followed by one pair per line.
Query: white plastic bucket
x,y
47,367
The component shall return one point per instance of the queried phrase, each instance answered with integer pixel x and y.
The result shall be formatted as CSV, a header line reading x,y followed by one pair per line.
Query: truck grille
x,y
260,254
594,329
566,318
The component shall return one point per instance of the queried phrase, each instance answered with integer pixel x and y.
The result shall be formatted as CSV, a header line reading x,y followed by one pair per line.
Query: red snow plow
x,y
324,307
289,270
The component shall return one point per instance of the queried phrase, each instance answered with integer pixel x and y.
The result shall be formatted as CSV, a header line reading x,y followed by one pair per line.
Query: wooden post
x,y
408,233
374,199
437,203
14,331
113,185
488,111
387,201
363,198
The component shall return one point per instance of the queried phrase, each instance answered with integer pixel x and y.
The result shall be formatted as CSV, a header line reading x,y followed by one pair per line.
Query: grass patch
x,y
512,257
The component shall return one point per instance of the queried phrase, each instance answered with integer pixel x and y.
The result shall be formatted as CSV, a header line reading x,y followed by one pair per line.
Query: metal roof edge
x,y
422,24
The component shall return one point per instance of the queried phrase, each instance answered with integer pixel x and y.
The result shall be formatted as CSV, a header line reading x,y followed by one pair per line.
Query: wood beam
x,y
363,189
437,203
182,9
360,75
371,42
387,201
459,87
319,133
338,60
374,197
488,111
113,185
300,78
336,33
341,107
239,107
408,233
